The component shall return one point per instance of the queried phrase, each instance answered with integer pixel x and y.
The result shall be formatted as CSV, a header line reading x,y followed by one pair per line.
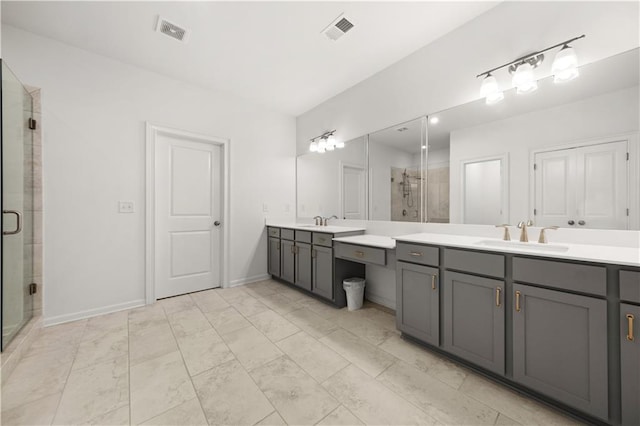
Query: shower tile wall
x,y
405,200
438,194
36,162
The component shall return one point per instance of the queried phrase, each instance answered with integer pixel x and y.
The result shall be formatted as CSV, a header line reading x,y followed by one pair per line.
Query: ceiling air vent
x,y
338,28
171,29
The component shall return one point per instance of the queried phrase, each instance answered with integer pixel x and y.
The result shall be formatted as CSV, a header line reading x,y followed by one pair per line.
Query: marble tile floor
x,y
262,354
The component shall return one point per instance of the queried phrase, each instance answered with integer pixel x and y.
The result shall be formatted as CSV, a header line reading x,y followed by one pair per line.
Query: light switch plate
x,y
125,206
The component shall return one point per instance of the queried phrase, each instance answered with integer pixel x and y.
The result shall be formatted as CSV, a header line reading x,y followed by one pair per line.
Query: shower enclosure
x,y
17,205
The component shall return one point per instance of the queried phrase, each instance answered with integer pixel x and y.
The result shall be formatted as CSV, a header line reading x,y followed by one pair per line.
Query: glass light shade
x,y
565,65
339,144
524,80
322,144
494,98
313,147
489,86
331,141
566,75
321,149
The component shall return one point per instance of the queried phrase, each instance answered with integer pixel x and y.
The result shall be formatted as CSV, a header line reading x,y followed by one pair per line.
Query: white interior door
x,y
353,192
555,201
187,211
583,187
602,186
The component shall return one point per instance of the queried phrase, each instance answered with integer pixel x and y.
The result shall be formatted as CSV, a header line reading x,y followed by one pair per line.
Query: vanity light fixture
x,y
325,142
564,68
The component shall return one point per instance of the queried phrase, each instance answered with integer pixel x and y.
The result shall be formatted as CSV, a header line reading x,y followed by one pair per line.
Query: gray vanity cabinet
x,y
303,265
322,271
473,319
418,301
273,254
630,363
287,256
560,346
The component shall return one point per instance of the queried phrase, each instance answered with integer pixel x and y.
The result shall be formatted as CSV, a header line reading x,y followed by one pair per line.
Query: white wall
x,y
94,114
590,119
442,74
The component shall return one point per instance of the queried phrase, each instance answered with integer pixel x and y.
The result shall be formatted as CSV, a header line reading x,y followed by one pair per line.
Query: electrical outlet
x,y
125,206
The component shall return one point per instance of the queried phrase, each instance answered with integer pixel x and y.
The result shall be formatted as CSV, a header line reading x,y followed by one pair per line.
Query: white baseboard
x,y
380,300
92,312
247,280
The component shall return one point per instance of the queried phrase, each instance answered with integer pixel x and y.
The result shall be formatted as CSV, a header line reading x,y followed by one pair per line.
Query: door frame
x,y
343,165
152,130
633,170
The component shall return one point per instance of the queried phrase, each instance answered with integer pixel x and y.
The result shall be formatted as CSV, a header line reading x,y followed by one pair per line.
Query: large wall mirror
x,y
565,155
333,183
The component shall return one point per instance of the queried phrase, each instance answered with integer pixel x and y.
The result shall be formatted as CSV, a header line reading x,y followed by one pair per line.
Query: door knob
x,y
571,222
216,223
582,222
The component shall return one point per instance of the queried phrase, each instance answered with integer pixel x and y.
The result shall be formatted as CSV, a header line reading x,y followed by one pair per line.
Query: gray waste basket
x,y
354,287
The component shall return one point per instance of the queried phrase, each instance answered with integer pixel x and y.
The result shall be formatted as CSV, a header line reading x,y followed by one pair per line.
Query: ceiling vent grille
x,y
338,28
172,30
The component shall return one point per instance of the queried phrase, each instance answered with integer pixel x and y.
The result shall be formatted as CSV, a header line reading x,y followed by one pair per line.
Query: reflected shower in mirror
x,y
572,152
395,170
333,183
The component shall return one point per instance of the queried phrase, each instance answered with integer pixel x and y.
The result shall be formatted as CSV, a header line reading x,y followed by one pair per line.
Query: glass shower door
x,y
17,205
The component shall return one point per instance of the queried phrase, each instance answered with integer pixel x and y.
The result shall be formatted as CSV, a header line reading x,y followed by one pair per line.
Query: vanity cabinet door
x,y
417,301
630,363
474,319
273,255
322,271
287,255
303,265
560,347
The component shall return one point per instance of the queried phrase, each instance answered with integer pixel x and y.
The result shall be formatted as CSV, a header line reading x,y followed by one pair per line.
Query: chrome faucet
x,y
524,237
326,220
506,236
318,220
543,237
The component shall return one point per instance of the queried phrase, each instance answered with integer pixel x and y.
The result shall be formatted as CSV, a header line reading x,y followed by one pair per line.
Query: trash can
x,y
354,287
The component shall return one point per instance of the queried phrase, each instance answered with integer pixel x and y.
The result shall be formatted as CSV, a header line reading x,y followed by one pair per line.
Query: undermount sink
x,y
525,246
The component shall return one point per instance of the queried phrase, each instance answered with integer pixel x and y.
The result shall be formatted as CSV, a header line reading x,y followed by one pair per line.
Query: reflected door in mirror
x,y
353,192
483,192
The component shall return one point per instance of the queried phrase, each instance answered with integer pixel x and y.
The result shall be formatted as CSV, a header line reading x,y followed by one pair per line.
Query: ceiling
x,y
272,53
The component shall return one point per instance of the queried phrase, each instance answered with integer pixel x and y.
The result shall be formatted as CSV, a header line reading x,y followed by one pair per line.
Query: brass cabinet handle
x,y
296,250
415,253
433,282
630,319
359,253
293,250
278,245
498,291
313,253
518,301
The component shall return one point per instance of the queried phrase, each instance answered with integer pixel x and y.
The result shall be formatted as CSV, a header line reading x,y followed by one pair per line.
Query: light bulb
x,y
490,90
524,80
434,120
339,144
565,65
313,146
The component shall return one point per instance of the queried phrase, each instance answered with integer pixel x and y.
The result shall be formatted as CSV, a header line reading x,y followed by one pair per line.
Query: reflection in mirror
x,y
333,183
484,191
567,146
395,183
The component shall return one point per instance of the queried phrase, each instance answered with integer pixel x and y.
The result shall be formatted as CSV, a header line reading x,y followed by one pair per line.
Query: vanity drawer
x,y
273,232
630,286
475,262
561,275
303,236
362,254
322,239
417,253
286,234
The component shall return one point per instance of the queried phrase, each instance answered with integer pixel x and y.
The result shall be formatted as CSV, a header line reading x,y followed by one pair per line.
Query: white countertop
x,y
315,228
628,256
369,240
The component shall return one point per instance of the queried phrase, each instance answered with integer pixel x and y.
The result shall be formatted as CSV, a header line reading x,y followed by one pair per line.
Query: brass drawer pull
x,y
433,282
278,245
518,301
498,291
359,253
293,250
630,319
313,253
415,253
